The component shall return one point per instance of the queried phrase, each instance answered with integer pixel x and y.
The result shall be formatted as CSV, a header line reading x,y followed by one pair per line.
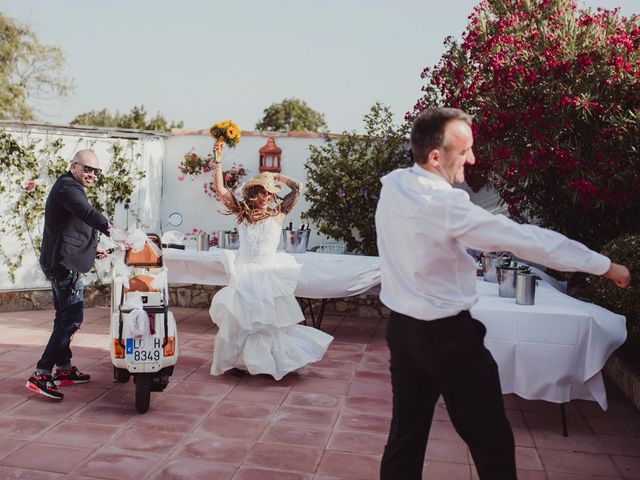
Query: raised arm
x,y
290,200
224,194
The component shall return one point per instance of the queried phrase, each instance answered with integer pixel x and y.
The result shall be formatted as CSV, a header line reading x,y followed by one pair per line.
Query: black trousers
x,y
445,357
68,294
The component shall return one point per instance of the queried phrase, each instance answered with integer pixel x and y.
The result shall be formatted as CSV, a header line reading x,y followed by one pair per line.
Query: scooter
x,y
143,330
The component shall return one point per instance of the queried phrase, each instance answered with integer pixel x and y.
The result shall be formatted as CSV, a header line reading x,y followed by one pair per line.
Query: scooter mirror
x,y
175,219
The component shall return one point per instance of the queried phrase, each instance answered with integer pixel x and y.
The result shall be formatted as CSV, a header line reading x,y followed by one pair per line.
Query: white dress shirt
x,y
424,227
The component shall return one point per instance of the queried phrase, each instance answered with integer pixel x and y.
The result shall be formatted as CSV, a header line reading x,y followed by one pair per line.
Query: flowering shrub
x,y
232,179
194,164
343,179
626,301
554,91
28,170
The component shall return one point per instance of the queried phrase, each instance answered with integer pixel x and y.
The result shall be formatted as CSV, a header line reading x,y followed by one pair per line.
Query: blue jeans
x,y
67,300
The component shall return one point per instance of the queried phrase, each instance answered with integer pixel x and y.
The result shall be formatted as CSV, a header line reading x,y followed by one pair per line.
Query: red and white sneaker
x,y
43,384
70,376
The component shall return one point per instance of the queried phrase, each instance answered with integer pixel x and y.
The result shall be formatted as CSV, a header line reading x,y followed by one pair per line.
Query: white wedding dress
x,y
257,314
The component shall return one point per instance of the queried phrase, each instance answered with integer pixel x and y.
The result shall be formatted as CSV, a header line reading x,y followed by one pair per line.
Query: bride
x,y
257,314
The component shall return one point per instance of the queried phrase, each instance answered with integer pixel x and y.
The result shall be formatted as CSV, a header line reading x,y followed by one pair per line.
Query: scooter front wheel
x,y
143,391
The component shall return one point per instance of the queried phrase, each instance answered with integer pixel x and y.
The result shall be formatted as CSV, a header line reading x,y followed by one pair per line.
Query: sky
x,y
202,61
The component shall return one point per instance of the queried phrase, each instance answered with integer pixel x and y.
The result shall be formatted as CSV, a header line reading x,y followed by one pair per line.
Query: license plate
x,y
143,350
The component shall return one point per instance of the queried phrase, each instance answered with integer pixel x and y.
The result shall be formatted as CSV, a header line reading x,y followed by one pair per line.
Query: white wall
x,y
147,195
201,211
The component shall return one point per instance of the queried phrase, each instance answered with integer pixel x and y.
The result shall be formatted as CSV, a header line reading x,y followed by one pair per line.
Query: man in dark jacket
x,y
69,248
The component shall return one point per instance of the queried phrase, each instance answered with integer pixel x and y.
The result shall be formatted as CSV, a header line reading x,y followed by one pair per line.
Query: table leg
x,y
306,304
563,416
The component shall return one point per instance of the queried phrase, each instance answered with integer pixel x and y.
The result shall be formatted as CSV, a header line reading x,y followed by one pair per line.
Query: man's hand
x,y
101,253
618,274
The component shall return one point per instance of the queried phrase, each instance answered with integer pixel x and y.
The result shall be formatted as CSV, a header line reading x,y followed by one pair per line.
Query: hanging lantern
x,y
270,157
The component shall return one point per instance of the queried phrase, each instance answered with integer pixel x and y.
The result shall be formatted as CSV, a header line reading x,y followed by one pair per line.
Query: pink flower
x,y
30,185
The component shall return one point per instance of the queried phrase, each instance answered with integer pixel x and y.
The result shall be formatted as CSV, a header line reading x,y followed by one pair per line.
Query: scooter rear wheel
x,y
143,391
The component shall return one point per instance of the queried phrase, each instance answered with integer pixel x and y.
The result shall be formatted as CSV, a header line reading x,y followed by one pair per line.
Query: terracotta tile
x,y
552,422
249,393
306,416
78,434
368,404
22,428
575,442
364,422
310,399
24,474
11,400
142,439
318,385
446,470
628,466
295,435
190,469
573,462
571,476
337,346
284,457
36,409
451,451
118,466
232,428
211,449
615,426
230,408
329,373
340,464
614,445
253,473
366,443
50,458
372,390
171,403
528,459
532,475
160,421
104,415
8,445
201,389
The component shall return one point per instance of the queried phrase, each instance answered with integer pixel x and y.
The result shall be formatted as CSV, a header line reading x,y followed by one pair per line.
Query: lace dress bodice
x,y
259,240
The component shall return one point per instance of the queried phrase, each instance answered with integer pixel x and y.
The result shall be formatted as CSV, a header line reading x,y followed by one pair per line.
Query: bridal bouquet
x,y
227,132
224,132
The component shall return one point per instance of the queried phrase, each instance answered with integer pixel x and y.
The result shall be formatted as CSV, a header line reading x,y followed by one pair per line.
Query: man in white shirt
x,y
424,227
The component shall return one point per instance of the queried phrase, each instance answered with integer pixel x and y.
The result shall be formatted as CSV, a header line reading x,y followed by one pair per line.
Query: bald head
x,y
86,157
85,167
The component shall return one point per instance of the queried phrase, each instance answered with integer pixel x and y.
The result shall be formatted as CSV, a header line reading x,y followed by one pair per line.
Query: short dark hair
x,y
427,132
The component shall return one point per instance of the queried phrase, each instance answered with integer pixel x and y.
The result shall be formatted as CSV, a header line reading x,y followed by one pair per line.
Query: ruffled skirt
x,y
258,319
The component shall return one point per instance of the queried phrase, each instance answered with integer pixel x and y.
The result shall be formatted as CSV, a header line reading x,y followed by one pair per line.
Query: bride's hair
x,y
246,209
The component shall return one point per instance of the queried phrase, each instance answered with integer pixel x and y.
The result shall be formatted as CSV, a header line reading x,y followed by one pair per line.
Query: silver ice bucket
x,y
231,240
525,289
295,241
506,282
202,242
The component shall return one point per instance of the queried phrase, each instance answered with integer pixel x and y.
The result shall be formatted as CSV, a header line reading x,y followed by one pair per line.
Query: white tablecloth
x,y
323,275
553,350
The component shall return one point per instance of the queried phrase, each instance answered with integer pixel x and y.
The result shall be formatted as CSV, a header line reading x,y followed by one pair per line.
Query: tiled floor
x,y
328,423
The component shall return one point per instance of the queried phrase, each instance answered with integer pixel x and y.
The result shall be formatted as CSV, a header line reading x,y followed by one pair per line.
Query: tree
x,y
28,69
555,95
136,119
290,115
343,179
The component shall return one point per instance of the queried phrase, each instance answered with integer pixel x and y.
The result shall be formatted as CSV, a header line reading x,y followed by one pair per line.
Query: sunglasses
x,y
88,169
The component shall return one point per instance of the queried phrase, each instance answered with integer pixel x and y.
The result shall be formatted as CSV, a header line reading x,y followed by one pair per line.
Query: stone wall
x,y
194,296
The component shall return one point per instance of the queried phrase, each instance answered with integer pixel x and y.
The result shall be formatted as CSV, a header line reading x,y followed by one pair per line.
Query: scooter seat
x,y
141,283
